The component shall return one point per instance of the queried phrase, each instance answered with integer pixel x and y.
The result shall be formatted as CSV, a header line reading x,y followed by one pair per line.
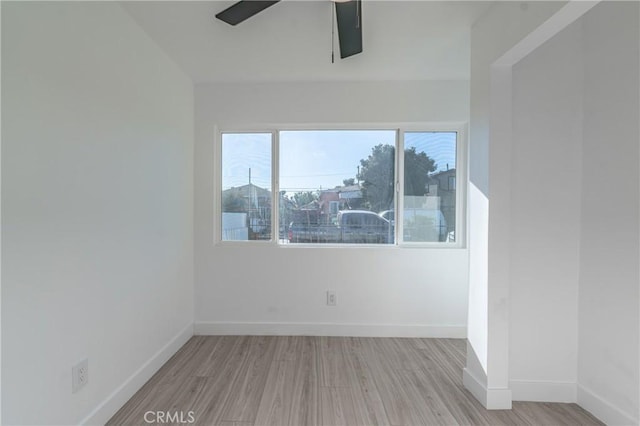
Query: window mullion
x,y
399,213
275,184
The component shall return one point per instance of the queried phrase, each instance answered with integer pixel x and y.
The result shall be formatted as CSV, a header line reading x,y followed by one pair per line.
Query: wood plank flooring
x,y
300,381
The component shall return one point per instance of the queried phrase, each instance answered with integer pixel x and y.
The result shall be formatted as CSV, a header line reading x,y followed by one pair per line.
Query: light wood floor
x,y
298,381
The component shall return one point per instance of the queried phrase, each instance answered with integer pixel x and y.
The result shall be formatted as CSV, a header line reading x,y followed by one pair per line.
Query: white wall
x,y
97,180
486,373
573,217
410,291
609,321
545,219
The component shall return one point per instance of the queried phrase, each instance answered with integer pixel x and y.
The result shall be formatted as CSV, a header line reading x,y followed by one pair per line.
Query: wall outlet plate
x,y
332,299
79,375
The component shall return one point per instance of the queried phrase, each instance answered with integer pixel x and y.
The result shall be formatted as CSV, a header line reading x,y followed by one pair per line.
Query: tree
x,y
378,179
349,182
417,166
301,199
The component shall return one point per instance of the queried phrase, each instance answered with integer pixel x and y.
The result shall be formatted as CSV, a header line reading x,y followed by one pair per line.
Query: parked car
x,y
364,227
350,226
390,215
300,232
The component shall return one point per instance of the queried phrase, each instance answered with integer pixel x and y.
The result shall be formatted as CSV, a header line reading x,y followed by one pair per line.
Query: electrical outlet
x,y
79,375
331,298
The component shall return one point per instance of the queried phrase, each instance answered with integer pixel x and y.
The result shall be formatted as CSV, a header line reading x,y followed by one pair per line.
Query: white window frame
x,y
400,128
217,185
461,176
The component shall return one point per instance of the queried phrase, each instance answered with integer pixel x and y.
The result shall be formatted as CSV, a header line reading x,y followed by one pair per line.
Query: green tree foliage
x,y
417,166
349,182
377,175
301,199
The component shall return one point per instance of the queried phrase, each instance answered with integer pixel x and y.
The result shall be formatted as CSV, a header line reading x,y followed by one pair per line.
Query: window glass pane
x,y
335,184
429,187
246,186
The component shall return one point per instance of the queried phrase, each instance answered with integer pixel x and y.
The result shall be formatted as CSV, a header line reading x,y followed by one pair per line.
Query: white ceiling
x,y
291,41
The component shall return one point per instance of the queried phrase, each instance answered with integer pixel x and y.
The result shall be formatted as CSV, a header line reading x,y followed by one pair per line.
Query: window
x,y
246,186
325,172
340,186
429,200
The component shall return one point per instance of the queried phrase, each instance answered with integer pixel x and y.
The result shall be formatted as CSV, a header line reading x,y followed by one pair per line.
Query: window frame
x,y
217,185
461,173
460,128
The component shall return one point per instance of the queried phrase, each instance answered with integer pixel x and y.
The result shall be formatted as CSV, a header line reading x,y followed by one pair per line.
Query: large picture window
x,y
333,184
340,186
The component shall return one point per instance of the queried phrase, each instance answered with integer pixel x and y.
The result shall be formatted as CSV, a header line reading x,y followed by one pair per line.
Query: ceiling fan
x,y
348,17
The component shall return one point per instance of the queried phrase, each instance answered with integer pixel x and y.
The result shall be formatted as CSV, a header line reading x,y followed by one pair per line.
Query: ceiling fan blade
x,y
349,19
243,10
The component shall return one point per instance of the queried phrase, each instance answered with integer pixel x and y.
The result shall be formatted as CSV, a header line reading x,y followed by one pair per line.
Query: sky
x,y
323,159
314,160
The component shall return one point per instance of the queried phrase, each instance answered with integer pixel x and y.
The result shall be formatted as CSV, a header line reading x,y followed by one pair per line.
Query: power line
x,y
326,174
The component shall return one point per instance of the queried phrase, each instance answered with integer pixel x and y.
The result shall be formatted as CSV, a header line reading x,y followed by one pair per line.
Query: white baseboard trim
x,y
215,328
499,399
603,409
543,391
490,398
107,408
475,386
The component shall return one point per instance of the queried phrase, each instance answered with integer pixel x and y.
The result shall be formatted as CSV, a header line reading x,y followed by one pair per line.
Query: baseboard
x,y
499,399
603,409
106,409
543,391
474,385
491,399
215,328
